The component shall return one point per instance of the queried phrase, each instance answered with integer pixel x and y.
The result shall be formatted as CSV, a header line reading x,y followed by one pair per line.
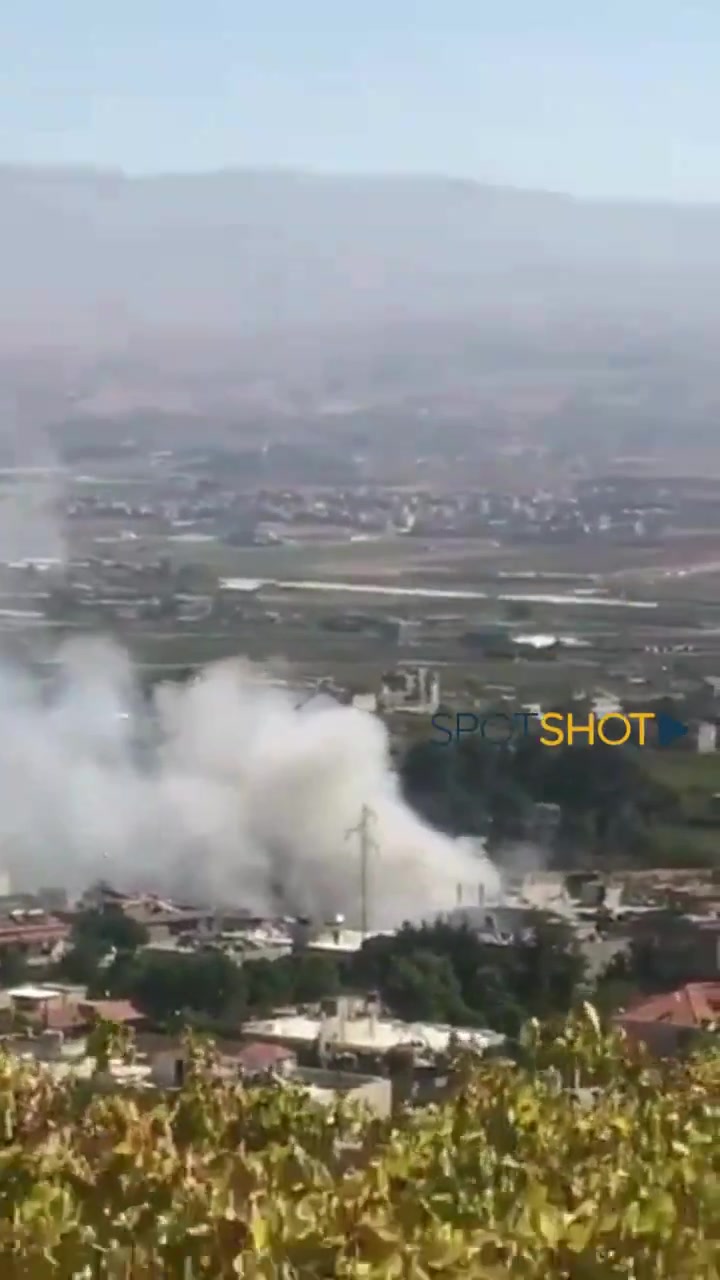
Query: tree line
x,y
426,973
611,807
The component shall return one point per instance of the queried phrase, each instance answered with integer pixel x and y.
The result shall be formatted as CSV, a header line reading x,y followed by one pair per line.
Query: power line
x,y
368,845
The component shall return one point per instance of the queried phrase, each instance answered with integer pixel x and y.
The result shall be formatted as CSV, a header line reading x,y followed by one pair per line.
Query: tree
x,y
107,930
108,1041
661,960
314,976
13,967
552,970
161,985
610,802
97,934
461,979
423,987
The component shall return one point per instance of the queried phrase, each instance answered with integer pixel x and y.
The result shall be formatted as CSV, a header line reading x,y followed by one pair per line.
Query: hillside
x,y
152,290
259,251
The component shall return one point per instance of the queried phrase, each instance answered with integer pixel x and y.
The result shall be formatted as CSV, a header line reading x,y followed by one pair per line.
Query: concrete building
x,y
706,737
496,925
168,1063
163,920
327,1086
164,1068
50,1008
32,932
411,690
357,1028
333,938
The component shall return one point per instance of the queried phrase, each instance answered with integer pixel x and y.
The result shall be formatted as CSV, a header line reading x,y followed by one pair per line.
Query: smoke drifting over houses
x,y
223,789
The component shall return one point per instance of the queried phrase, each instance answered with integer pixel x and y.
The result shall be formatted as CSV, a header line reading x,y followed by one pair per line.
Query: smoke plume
x,y
221,790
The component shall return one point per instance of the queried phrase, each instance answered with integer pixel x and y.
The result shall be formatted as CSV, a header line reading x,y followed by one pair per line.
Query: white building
x,y
413,690
364,1032
706,737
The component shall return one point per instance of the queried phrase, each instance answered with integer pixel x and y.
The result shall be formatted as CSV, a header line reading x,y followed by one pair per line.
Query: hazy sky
x,y
606,97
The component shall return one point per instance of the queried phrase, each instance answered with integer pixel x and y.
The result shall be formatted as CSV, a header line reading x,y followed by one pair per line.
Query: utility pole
x,y
367,846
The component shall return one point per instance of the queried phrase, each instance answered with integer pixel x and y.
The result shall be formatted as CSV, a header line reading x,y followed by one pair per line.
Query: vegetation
x,y
13,967
97,936
433,973
638,807
513,1174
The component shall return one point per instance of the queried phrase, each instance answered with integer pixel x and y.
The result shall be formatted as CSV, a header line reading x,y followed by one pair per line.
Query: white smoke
x,y
223,790
33,489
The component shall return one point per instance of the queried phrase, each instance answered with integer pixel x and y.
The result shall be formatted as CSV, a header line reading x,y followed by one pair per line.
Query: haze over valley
x,y
288,293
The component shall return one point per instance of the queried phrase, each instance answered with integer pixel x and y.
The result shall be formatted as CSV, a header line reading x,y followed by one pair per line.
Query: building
x,y
413,690
32,933
355,1028
248,1062
333,938
162,1066
48,1008
706,737
163,920
496,925
327,1086
669,1023
365,702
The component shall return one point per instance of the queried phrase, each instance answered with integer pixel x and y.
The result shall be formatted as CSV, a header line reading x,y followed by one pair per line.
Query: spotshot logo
x,y
558,729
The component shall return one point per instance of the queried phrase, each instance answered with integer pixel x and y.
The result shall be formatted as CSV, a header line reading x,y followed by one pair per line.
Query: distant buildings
x,y
32,933
413,690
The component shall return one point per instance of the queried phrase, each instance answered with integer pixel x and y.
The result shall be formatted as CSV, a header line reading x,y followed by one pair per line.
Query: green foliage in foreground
x,y
511,1175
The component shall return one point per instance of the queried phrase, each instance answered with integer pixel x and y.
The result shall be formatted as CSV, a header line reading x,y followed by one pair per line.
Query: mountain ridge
x,y
365,177
359,280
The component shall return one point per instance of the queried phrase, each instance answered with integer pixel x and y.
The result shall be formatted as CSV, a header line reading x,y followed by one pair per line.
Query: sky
x,y
604,98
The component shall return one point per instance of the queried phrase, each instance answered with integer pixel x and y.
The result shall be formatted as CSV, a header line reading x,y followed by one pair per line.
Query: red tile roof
x,y
262,1057
62,1017
47,930
693,1005
71,1015
112,1010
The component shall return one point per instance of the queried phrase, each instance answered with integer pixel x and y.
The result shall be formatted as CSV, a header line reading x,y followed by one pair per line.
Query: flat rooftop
x,y
371,1034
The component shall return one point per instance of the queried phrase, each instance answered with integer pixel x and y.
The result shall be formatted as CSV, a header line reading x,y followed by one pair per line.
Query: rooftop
x,y
695,1005
343,939
371,1034
31,928
61,1012
30,992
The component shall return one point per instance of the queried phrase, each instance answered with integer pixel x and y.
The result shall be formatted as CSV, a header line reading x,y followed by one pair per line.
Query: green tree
x,y
95,936
423,987
161,985
313,977
108,929
13,967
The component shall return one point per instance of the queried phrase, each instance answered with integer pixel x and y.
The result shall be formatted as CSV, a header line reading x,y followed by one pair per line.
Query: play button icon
x,y
669,729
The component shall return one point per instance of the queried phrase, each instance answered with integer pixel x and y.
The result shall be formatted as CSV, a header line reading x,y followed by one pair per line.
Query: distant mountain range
x,y
254,252
254,274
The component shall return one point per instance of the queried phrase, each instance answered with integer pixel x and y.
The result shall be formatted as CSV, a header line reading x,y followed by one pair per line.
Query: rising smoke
x,y
222,790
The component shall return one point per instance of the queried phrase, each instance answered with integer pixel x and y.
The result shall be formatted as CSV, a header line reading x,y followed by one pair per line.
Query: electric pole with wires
x,y
368,845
